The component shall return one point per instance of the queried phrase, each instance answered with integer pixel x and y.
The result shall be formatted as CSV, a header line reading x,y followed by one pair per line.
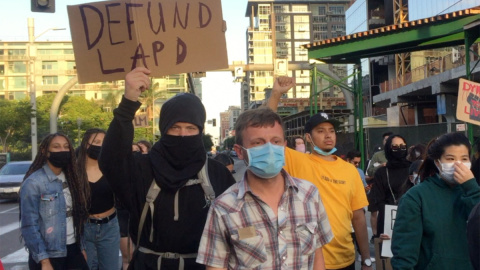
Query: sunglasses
x,y
397,147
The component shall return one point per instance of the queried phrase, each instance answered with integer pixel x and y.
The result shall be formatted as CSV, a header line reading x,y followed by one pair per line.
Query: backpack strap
x,y
154,190
152,194
206,184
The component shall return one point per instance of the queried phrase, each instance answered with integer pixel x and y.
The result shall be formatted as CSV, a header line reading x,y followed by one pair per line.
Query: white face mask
x,y
447,170
415,179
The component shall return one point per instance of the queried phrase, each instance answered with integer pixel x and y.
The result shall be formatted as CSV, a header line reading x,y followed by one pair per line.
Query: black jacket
x,y
130,176
383,195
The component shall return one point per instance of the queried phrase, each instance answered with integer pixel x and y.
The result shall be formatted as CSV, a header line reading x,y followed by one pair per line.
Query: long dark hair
x,y
78,188
392,161
82,158
414,150
435,150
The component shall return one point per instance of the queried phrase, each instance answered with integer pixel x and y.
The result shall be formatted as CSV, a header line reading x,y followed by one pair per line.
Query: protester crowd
x,y
169,206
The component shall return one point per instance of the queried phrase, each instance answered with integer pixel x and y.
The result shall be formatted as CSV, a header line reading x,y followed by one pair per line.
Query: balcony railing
x,y
433,68
13,58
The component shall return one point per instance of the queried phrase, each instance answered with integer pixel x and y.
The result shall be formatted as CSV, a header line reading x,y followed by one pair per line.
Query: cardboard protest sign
x,y
110,38
390,216
140,120
468,102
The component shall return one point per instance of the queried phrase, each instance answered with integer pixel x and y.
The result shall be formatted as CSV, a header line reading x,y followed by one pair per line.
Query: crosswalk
x,y
19,256
16,260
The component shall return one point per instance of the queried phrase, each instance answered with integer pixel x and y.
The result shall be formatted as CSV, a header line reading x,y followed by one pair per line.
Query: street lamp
x,y
33,99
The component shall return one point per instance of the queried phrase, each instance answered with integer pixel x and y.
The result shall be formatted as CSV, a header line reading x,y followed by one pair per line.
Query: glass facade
x,y
428,8
356,17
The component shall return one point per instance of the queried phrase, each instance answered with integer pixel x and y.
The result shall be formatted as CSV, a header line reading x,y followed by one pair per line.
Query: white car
x,y
11,178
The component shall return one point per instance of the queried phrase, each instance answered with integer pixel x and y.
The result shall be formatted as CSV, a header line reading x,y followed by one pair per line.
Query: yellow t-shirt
x,y
341,190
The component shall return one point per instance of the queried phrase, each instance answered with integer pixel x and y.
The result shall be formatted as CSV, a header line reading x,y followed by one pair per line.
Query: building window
x,y
320,27
337,18
70,65
2,69
280,8
80,93
300,8
17,67
336,27
301,19
264,9
49,92
322,11
319,36
49,65
336,10
319,19
17,52
282,19
20,95
49,52
49,80
17,82
281,28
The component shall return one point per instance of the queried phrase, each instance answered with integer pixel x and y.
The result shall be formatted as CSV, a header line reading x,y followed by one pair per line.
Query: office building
x,y
274,38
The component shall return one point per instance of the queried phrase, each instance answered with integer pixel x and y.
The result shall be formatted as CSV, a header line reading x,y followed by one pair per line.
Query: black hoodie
x,y
130,176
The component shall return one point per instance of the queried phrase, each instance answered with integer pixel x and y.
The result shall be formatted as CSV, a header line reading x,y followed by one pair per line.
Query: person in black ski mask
x,y
169,233
388,180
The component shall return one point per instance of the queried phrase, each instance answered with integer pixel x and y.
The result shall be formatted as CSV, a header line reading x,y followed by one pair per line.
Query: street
x,y
14,256
12,253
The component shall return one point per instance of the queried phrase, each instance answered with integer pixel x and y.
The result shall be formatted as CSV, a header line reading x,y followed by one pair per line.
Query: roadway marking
x,y
18,256
10,227
5,211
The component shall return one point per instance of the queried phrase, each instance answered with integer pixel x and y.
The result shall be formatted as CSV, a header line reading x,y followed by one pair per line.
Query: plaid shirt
x,y
242,231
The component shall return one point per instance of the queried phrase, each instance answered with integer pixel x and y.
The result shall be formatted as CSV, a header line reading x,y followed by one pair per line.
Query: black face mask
x,y
94,151
399,154
60,159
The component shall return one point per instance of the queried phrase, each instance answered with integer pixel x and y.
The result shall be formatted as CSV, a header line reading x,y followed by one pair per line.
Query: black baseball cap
x,y
319,118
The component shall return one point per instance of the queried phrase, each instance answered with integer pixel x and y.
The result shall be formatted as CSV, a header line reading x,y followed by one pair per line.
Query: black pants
x,y
73,261
350,267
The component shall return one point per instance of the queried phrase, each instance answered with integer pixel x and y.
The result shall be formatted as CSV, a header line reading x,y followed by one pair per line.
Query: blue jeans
x,y
102,244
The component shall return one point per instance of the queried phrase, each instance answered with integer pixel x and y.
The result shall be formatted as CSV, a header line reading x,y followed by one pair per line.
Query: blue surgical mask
x,y
266,161
320,151
323,153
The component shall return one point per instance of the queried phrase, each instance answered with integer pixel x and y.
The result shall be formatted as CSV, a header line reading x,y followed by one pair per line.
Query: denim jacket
x,y
44,215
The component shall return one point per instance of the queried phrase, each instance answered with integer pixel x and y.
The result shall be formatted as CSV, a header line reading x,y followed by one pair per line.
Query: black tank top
x,y
101,196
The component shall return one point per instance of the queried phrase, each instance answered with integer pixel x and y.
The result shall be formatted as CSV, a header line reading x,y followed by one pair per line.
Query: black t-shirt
x,y
101,196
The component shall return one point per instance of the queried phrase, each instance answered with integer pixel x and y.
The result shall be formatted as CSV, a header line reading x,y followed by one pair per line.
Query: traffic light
x,y
43,6
214,122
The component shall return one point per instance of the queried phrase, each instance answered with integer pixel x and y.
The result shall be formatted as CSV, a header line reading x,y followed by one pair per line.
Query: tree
x,y
112,99
14,122
207,142
76,114
229,142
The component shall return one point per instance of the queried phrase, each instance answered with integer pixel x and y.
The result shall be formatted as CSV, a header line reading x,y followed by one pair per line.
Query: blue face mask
x,y
320,151
266,161
323,153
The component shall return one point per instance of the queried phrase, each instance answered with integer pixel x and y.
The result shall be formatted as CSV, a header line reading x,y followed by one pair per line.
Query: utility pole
x,y
32,52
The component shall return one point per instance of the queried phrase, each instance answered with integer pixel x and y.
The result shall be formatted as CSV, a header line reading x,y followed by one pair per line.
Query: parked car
x,y
11,178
